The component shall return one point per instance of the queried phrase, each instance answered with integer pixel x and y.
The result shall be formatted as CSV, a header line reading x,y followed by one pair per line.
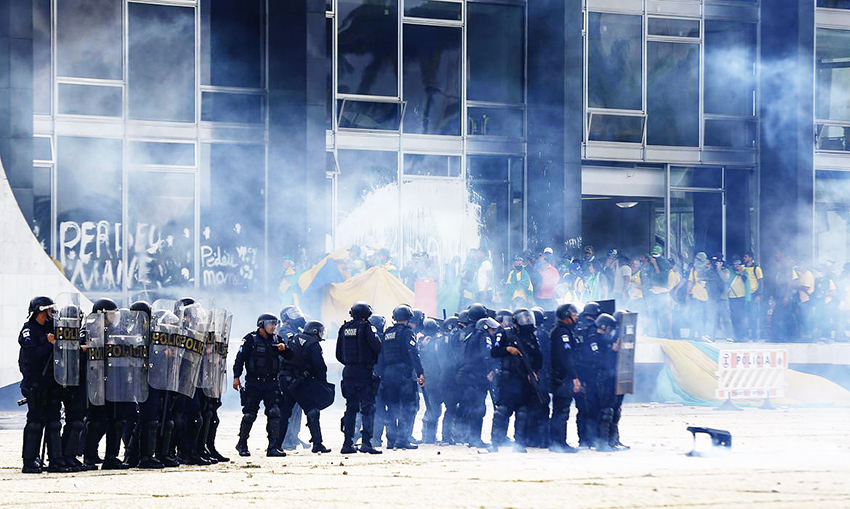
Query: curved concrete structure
x,y
25,271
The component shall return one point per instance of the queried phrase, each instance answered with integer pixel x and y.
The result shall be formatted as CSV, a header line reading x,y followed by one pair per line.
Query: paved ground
x,y
781,458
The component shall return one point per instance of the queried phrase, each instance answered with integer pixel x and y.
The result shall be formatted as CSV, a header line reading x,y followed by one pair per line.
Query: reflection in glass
x,y
161,212
431,165
833,74
368,47
671,27
739,134
88,211
833,137
232,108
232,230
696,224
41,75
495,47
89,35
432,79
90,100
41,150
42,184
730,60
672,94
384,116
623,128
834,4
367,189
162,154
614,61
162,62
433,9
708,177
494,121
832,217
231,43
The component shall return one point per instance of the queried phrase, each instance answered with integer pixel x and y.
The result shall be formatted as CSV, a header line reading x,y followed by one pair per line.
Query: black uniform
x,y
299,378
357,348
590,373
474,366
451,362
74,400
609,403
433,357
514,391
290,440
35,361
259,356
562,344
399,366
585,419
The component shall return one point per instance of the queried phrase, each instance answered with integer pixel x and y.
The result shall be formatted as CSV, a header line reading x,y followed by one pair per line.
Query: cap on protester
x,y
656,251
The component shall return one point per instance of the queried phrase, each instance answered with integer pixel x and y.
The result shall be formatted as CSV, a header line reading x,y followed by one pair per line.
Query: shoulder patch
x,y
565,338
25,332
412,342
374,329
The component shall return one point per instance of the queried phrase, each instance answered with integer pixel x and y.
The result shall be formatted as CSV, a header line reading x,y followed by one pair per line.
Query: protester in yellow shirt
x,y
697,295
803,286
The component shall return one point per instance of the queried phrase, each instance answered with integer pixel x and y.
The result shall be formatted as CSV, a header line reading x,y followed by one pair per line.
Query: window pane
x,y
90,100
431,165
231,43
614,61
89,211
162,154
834,4
432,9
369,115
730,60
672,94
730,134
368,47
161,213
495,48
832,222
42,182
494,121
833,74
232,108
89,38
833,137
707,177
367,193
432,79
673,27
41,150
162,62
233,229
616,128
41,76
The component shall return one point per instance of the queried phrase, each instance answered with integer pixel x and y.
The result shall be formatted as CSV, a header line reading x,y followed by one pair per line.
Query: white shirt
x,y
623,271
485,271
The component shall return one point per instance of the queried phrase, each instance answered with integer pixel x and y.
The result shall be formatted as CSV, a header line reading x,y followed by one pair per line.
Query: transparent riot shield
x,y
163,356
190,347
627,335
66,350
206,329
222,320
126,352
95,352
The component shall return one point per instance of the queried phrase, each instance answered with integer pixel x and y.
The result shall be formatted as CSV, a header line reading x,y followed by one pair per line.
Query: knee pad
x,y
33,427
250,417
607,414
53,426
313,415
273,413
503,411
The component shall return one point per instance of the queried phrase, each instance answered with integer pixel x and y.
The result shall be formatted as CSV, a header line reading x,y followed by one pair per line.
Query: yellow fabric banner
x,y
377,286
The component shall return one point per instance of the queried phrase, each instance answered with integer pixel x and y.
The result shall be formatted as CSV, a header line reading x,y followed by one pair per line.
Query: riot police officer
x,y
401,370
453,328
303,381
259,357
38,386
585,327
292,322
432,353
381,417
357,348
69,373
563,378
606,399
146,431
474,372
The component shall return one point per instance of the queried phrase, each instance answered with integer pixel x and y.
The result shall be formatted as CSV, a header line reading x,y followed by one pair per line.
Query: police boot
x,y
604,430
244,431
475,434
32,444
202,440
163,446
429,432
132,446
558,435
53,439
499,432
71,443
148,432
346,425
114,431
214,422
315,431
94,432
189,444
273,430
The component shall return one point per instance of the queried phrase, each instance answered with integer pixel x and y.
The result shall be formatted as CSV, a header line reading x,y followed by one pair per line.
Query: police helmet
x,y
591,309
504,317
315,328
70,312
142,306
402,313
104,305
463,318
524,318
565,311
360,311
39,304
266,319
449,324
477,311
607,325
165,317
291,313
486,323
430,327
378,322
539,316
182,304
418,317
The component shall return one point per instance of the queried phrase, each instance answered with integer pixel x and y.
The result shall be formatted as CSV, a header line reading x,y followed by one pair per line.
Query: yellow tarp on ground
x,y
696,374
379,288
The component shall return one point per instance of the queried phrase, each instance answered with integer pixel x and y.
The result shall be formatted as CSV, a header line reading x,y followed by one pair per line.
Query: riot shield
x,y
66,350
190,347
206,330
163,356
627,335
126,352
96,366
222,320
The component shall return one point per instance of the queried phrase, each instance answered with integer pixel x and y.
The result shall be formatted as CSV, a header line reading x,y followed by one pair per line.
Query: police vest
x,y
264,361
300,362
355,343
395,345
